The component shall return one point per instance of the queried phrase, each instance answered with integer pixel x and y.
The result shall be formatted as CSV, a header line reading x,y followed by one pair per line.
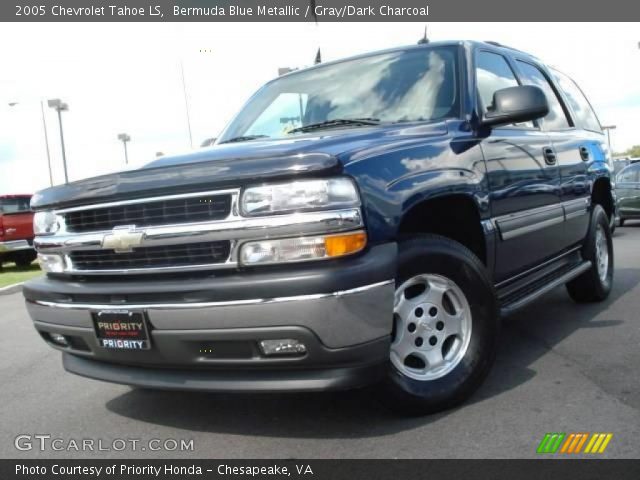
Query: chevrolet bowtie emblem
x,y
122,240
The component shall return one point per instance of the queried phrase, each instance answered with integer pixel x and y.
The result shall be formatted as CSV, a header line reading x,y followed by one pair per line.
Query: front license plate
x,y
121,330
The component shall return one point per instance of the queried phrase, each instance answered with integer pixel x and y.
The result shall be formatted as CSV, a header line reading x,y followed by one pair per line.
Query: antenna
x,y
312,6
424,40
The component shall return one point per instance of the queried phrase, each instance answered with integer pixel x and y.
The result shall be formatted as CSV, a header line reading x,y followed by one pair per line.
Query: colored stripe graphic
x,y
573,443
550,443
598,443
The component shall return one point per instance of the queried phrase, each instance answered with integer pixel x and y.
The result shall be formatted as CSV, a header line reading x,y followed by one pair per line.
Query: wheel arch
x,y
455,216
601,195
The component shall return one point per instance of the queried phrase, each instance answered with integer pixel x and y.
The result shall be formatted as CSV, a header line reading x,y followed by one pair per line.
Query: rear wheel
x,y
621,222
594,285
445,326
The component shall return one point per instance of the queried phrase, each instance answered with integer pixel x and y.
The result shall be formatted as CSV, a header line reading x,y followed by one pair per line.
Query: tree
x,y
631,152
634,151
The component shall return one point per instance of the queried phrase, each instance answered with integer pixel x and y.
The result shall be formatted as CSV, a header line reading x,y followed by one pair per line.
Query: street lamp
x,y
186,103
60,107
608,129
124,138
46,138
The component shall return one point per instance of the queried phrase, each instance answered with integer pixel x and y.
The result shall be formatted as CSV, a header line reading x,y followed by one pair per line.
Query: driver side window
x,y
493,73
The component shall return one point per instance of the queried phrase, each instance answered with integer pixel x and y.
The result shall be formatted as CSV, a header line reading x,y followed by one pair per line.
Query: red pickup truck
x,y
16,230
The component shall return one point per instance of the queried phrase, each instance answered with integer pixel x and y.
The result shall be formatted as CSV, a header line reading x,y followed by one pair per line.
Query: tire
x,y
594,285
441,263
621,223
612,224
24,259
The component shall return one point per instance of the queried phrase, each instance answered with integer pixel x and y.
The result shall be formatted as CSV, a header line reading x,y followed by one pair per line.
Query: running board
x,y
519,299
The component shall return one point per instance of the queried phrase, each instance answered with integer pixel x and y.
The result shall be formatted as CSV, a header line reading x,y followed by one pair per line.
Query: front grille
x,y
162,212
153,257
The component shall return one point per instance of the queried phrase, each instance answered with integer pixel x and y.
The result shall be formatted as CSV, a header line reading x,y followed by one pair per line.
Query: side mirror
x,y
516,104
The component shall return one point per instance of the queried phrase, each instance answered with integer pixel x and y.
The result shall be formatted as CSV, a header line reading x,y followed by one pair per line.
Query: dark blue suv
x,y
365,222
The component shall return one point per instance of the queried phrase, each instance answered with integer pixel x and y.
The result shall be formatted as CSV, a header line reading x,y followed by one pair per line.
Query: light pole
x,y
124,138
608,129
186,103
46,138
60,107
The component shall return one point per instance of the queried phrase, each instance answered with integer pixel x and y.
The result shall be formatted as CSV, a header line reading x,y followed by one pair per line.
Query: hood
x,y
235,164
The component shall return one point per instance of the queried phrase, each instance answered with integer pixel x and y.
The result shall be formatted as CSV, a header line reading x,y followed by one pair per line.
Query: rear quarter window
x,y
585,117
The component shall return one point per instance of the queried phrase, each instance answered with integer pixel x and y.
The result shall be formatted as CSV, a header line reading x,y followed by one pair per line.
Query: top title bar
x,y
317,10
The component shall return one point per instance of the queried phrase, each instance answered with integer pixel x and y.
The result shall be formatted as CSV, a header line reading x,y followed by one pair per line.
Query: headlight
x,y
300,195
45,223
301,249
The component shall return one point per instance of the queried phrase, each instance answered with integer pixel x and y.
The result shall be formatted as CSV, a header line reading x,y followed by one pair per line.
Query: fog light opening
x,y
51,263
285,346
59,339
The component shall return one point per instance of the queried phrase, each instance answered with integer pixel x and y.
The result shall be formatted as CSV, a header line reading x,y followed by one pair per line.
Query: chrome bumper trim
x,y
14,245
230,303
339,319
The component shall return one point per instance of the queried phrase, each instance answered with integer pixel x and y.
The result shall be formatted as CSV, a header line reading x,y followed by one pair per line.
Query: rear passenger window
x,y
556,119
585,116
494,73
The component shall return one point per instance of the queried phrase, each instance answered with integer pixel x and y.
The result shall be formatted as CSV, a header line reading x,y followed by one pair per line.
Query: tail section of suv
x,y
628,192
362,222
16,230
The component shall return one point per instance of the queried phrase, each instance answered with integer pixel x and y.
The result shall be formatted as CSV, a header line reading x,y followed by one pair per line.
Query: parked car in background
x,y
16,230
628,192
620,163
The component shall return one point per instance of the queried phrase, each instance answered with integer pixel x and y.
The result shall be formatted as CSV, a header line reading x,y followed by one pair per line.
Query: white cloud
x,y
126,78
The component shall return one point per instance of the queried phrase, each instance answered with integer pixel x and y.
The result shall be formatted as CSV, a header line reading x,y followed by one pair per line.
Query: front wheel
x,y
445,328
594,285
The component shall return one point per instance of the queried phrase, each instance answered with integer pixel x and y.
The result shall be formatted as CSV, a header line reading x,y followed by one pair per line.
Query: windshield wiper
x,y
336,122
244,138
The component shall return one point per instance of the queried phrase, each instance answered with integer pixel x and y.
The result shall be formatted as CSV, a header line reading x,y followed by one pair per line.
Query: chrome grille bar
x,y
232,230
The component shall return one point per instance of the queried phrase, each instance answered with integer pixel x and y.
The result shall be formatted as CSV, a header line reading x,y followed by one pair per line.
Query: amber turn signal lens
x,y
338,245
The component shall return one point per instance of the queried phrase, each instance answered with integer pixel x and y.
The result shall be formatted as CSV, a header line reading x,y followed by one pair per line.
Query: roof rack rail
x,y
498,44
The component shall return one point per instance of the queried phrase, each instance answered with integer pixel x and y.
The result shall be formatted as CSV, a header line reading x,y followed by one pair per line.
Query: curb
x,y
8,290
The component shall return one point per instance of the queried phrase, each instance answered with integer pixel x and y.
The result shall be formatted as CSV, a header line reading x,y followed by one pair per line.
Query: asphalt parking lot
x,y
562,367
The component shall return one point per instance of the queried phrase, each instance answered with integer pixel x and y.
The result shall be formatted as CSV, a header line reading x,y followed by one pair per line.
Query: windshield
x,y
404,86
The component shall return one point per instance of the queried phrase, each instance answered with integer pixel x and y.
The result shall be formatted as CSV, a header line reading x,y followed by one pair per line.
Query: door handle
x,y
549,155
584,153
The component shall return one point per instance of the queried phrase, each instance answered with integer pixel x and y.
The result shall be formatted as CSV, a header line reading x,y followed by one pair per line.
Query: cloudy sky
x,y
126,78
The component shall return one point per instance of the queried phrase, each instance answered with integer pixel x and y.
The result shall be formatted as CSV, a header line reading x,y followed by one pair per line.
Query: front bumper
x,y
341,310
15,246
